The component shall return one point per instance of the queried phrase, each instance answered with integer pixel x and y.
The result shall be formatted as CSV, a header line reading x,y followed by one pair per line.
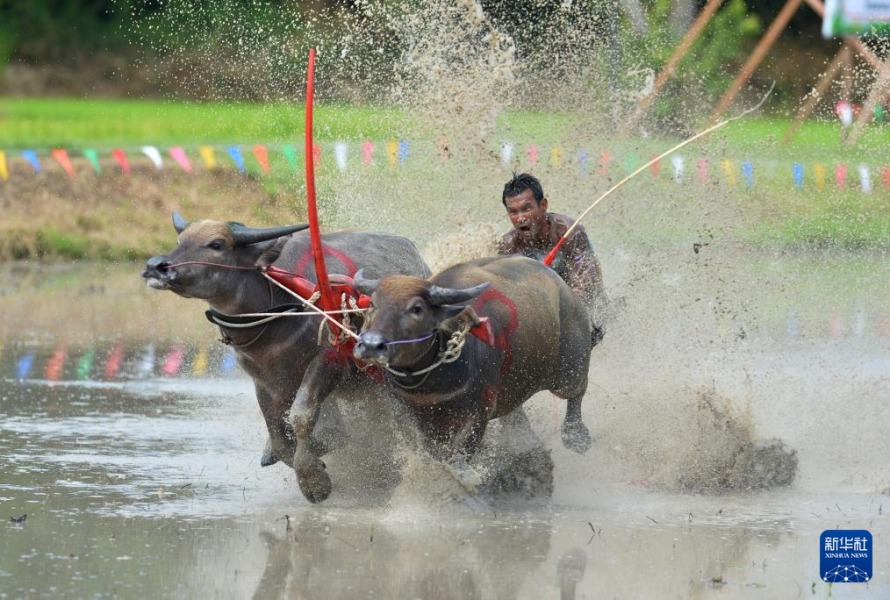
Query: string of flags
x,y
398,153
120,361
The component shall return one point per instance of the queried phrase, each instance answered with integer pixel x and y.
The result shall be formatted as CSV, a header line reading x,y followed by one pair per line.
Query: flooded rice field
x,y
735,418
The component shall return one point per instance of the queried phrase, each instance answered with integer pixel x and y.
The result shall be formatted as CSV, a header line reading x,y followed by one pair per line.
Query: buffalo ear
x,y
365,286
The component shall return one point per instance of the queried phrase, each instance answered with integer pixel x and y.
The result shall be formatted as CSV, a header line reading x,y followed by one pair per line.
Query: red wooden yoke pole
x,y
321,274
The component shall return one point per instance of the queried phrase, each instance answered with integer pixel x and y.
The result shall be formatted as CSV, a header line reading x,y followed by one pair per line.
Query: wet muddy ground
x,y
130,452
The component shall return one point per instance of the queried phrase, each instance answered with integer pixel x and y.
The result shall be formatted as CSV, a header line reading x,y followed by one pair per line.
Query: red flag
x,y
121,159
367,152
316,155
61,156
262,157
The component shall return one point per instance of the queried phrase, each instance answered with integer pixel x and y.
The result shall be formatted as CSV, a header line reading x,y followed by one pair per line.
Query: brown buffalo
x,y
539,339
293,368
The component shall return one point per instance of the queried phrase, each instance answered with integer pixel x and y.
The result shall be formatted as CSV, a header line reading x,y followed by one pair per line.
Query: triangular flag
x,y
340,154
23,366
173,360
154,155
655,168
840,175
403,151
367,152
797,175
85,365
199,365
55,364
583,161
290,155
532,153
31,157
556,157
885,177
115,359
677,162
702,168
631,161
121,159
262,157
748,171
865,179
4,172
235,154
93,157
146,366
392,149
178,154
61,156
228,363
207,156
506,152
819,175
729,169
316,155
604,160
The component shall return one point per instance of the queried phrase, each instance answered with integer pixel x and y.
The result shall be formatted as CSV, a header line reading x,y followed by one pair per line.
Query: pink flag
x,y
316,154
367,152
840,175
61,156
121,159
173,360
262,157
532,153
885,177
56,362
178,154
702,167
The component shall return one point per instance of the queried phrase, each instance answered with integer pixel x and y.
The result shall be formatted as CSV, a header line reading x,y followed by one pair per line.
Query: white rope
x,y
451,353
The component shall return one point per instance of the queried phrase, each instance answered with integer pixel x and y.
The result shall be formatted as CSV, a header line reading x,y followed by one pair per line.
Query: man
x,y
536,231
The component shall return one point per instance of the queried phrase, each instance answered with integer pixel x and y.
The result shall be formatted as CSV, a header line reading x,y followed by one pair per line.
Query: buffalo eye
x,y
416,309
216,245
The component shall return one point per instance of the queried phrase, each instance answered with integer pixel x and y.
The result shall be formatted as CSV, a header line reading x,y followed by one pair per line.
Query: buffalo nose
x,y
370,344
155,265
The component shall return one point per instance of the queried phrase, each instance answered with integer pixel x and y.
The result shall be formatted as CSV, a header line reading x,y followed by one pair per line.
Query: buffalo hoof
x,y
466,475
268,458
576,437
314,483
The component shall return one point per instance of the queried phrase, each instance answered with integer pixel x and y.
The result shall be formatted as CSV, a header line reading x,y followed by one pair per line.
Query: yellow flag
x,y
199,366
392,151
729,169
4,173
819,176
207,156
556,156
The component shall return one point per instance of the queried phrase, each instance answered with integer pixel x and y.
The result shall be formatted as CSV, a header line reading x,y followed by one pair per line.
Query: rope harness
x,y
449,354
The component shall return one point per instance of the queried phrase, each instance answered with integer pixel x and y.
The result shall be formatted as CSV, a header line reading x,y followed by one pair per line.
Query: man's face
x,y
527,216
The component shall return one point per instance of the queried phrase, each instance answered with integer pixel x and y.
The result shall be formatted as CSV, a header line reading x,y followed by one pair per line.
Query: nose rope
x,y
414,341
209,264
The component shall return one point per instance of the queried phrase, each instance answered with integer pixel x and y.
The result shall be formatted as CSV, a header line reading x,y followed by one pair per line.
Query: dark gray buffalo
x,y
294,367
539,339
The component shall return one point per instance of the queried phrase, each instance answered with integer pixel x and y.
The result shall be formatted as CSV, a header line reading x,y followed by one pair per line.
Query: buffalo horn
x,y
439,296
365,286
244,236
179,224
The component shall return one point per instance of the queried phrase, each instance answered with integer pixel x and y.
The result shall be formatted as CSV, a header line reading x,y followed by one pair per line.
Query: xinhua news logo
x,y
846,556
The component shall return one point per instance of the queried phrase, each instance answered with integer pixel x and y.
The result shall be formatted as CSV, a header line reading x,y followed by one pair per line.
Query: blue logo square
x,y
845,556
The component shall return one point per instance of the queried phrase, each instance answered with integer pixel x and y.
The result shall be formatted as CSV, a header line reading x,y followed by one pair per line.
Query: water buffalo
x,y
293,367
539,339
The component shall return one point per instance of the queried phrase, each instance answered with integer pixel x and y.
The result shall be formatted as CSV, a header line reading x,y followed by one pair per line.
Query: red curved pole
x,y
321,272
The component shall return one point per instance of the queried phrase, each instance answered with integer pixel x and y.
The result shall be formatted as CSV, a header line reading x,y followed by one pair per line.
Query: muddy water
x,y
130,451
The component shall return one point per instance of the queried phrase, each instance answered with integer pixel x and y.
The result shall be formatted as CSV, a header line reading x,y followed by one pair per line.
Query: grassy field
x,y
52,215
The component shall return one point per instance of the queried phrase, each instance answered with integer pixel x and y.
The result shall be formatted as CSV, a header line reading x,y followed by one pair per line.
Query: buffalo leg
x,y
319,380
280,444
575,435
453,435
